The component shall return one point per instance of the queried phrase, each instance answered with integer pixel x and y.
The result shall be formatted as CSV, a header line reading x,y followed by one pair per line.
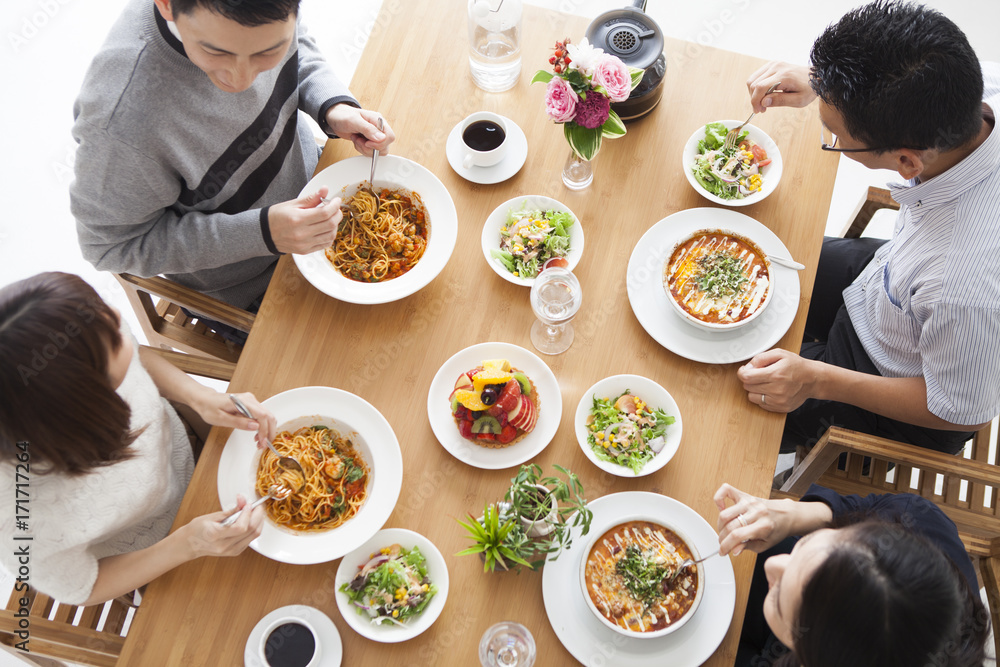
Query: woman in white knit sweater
x,y
102,458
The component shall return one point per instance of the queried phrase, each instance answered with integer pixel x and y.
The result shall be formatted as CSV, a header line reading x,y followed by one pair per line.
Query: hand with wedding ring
x,y
758,524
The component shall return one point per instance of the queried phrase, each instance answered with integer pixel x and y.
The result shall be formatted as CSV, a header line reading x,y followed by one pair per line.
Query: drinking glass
x,y
495,43
555,298
507,644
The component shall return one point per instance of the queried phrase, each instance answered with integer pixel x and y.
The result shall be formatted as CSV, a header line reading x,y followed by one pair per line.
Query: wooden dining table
x,y
414,69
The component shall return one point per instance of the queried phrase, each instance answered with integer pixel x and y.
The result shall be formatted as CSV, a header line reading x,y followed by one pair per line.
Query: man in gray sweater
x,y
191,154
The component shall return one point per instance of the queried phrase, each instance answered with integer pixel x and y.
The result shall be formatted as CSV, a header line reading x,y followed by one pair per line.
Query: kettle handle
x,y
639,4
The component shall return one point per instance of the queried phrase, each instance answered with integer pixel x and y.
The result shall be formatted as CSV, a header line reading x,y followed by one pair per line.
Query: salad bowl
x,y
498,220
437,572
770,174
655,396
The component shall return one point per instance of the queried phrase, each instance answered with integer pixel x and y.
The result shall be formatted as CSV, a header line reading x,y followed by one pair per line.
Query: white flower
x,y
583,56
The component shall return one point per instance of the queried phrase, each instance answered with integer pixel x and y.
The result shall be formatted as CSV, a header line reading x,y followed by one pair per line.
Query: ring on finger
x,y
763,399
743,522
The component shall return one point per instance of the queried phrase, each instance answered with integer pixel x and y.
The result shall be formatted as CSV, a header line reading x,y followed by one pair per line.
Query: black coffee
x,y
290,645
483,135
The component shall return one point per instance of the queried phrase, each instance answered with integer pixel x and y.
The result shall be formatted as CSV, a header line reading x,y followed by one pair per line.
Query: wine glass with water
x,y
555,298
507,644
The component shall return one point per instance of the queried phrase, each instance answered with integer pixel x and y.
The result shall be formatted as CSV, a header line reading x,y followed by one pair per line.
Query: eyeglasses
x,y
831,145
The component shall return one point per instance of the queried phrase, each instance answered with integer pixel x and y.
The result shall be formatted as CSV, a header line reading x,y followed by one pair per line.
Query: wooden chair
x,y
65,632
167,326
966,489
59,631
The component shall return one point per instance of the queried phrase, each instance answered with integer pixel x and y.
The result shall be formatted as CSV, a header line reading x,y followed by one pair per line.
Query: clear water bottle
x,y
495,43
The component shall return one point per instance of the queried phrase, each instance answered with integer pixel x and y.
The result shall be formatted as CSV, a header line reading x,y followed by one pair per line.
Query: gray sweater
x,y
173,175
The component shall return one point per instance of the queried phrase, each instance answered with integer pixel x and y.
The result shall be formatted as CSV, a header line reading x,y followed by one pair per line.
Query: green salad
x,y
626,431
392,586
529,238
729,173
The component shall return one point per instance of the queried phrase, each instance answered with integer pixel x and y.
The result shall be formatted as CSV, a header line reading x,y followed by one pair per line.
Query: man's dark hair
x,y
250,13
901,75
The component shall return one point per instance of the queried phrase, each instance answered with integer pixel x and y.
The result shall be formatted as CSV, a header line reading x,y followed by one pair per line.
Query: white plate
x,y
770,175
593,644
331,648
353,417
669,329
437,570
443,424
343,179
498,218
517,153
654,395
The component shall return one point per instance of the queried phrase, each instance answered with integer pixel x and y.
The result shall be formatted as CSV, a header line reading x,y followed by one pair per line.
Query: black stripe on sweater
x,y
249,141
257,182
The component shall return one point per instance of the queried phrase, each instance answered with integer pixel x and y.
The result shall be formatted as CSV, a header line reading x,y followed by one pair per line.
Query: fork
x,y
734,133
275,491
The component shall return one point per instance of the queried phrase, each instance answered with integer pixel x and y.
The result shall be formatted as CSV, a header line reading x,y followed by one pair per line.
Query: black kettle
x,y
637,40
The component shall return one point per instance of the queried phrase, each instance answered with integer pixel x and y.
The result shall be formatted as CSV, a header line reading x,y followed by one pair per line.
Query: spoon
x,y
275,491
785,261
286,462
685,563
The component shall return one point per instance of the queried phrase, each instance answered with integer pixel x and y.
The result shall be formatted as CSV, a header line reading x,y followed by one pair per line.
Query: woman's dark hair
x,y
55,339
901,75
250,13
886,597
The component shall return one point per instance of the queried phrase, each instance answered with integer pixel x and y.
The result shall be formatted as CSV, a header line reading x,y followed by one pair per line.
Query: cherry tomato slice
x,y
759,153
555,261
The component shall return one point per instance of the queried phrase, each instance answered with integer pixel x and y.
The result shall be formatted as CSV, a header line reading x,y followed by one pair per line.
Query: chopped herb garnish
x,y
643,579
719,274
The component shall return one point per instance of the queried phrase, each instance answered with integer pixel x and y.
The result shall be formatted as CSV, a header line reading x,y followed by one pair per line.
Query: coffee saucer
x,y
327,635
517,153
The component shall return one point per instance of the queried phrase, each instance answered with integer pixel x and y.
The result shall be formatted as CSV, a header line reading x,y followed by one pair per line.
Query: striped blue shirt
x,y
928,304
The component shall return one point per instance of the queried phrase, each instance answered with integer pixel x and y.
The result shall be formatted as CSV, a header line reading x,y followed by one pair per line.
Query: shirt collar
x,y
978,165
169,33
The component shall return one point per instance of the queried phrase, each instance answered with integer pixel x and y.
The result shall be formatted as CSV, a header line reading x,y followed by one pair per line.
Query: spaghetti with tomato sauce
x,y
379,240
336,479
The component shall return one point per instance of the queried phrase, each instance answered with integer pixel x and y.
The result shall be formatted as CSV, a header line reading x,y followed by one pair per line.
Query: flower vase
x,y
577,173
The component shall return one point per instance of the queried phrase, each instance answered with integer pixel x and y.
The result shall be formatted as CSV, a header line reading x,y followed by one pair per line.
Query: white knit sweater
x,y
127,506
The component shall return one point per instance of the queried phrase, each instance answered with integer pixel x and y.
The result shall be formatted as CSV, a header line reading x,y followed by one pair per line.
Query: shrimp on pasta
x,y
376,243
335,485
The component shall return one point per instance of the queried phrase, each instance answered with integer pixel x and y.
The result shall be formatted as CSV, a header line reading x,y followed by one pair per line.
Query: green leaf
x,y
636,76
544,76
613,127
476,549
585,142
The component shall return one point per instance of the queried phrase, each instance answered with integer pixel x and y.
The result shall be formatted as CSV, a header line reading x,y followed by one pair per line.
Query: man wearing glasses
x,y
903,336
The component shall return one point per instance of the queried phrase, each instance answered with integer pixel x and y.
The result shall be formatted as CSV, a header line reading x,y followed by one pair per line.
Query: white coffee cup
x,y
265,652
477,154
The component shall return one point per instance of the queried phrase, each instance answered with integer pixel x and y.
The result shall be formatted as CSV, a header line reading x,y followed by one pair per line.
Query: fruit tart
x,y
494,404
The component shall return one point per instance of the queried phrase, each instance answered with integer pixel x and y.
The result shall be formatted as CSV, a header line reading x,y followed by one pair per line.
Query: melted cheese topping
x,y
607,588
682,270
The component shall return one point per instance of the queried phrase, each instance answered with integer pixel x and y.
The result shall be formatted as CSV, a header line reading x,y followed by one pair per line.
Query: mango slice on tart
x,y
470,399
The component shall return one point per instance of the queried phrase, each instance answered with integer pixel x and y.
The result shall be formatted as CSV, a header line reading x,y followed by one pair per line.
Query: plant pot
x,y
541,527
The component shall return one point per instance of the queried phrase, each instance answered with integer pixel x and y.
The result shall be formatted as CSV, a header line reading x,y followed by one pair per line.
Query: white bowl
x,y
718,326
613,626
437,570
343,179
654,395
352,417
770,174
497,219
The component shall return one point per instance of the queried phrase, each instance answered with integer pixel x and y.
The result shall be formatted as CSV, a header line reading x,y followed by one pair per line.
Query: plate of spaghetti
x,y
386,250
352,464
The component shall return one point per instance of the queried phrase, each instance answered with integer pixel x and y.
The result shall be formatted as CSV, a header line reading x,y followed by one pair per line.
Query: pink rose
x,y
612,73
560,101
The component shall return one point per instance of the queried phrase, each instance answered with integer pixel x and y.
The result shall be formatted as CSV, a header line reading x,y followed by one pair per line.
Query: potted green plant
x,y
548,507
498,537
